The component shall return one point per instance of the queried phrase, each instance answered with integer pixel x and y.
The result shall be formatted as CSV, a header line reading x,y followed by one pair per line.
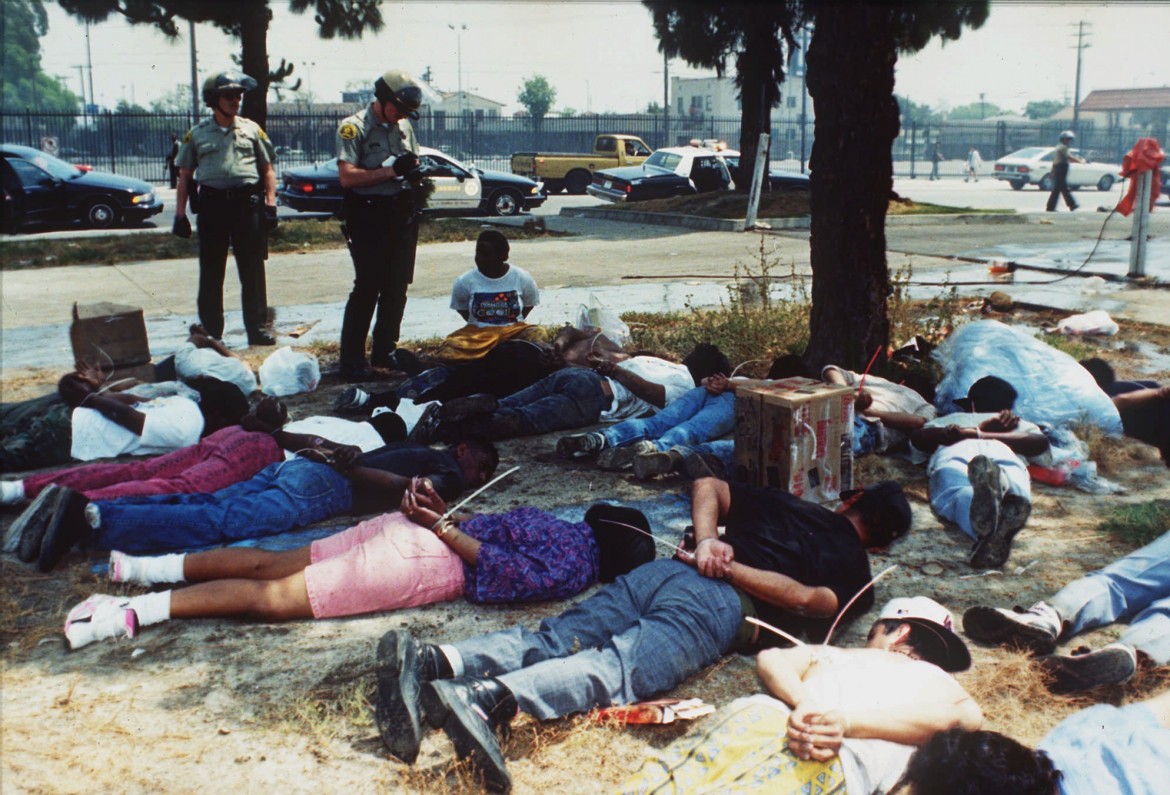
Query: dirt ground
x,y
226,705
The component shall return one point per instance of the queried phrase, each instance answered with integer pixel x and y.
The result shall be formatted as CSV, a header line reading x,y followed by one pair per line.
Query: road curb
x,y
802,222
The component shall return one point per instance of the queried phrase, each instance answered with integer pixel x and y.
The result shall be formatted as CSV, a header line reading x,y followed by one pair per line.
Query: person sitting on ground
x,y
494,298
701,414
978,473
204,355
415,556
281,497
1133,589
1099,749
619,386
846,719
794,563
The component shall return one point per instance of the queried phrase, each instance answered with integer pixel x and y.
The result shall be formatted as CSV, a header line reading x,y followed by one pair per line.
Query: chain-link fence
x,y
136,144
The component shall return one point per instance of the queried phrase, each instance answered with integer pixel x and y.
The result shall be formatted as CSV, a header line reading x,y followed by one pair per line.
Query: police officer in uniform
x,y
379,170
232,159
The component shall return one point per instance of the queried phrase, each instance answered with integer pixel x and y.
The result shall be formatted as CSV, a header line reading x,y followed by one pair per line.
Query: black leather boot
x,y
471,712
404,666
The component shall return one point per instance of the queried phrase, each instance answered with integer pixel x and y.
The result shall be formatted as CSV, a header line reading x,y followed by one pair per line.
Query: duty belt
x,y
228,194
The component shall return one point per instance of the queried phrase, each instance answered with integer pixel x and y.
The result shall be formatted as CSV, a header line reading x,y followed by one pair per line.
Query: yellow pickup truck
x,y
574,172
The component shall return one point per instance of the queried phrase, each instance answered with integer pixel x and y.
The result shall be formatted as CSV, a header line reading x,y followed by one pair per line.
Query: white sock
x,y
151,608
11,492
147,570
454,658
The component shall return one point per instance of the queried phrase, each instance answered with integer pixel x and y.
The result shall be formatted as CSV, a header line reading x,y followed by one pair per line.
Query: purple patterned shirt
x,y
528,556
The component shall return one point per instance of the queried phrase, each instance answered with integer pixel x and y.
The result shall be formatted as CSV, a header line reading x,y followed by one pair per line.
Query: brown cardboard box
x,y
795,434
113,337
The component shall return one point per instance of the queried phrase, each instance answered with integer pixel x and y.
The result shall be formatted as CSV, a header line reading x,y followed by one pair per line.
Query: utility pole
x,y
194,75
459,79
89,63
81,81
982,106
1080,47
666,98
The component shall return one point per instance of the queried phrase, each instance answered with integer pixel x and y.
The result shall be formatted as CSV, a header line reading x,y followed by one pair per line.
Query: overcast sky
x,y
602,56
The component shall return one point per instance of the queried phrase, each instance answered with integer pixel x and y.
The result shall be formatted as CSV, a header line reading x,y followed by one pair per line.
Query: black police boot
x,y
403,667
258,336
472,712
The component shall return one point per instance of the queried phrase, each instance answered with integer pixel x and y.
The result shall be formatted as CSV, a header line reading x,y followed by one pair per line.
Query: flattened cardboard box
x,y
111,336
795,434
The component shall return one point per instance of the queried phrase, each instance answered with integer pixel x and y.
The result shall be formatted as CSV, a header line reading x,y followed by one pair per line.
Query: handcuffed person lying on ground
x,y
837,719
398,560
794,563
978,468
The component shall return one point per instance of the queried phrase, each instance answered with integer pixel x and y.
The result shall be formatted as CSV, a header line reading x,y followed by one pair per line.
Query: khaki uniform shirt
x,y
366,143
228,158
1060,154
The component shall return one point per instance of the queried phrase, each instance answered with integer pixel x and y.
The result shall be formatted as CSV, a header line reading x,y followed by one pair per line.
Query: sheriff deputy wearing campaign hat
x,y
379,168
232,159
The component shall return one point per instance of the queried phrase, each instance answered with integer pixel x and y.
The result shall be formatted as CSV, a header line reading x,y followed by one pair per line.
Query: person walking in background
x,y
974,161
232,158
171,168
936,157
378,165
1061,157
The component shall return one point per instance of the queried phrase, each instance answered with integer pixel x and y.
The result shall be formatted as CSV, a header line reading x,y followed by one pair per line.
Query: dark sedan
x,y
40,189
674,171
459,189
777,180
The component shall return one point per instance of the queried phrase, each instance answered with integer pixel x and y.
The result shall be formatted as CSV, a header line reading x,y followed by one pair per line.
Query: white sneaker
x,y
122,569
98,617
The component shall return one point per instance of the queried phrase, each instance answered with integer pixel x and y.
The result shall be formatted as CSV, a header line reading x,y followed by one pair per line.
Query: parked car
x,y
459,189
777,180
1033,166
673,171
42,189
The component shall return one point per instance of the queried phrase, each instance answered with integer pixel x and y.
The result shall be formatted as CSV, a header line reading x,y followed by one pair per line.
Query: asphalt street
x,y
629,266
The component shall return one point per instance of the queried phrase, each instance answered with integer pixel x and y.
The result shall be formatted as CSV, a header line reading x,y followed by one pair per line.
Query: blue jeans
x,y
950,490
569,398
280,497
1136,589
696,417
636,637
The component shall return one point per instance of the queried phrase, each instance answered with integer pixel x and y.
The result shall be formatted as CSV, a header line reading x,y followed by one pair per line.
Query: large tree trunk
x,y
851,80
254,58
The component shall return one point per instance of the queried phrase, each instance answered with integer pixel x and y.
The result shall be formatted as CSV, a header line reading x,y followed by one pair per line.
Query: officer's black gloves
x,y
270,219
407,166
181,227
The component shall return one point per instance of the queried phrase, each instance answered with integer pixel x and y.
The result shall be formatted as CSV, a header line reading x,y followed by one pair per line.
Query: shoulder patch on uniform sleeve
x,y
260,131
348,131
187,137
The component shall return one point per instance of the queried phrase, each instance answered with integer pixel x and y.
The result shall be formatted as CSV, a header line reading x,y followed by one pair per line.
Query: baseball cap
x,y
989,393
950,653
883,506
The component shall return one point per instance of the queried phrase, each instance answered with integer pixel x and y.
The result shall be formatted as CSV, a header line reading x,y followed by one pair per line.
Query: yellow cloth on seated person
x,y
473,342
745,750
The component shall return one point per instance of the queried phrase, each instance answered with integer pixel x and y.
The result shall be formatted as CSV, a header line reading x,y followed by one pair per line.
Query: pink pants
x,y
228,456
384,563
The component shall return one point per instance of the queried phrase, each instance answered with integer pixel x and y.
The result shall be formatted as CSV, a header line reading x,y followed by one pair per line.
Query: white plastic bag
x,y
289,372
1095,322
599,316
